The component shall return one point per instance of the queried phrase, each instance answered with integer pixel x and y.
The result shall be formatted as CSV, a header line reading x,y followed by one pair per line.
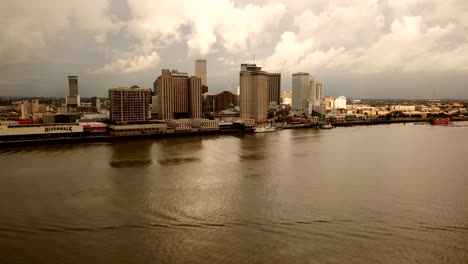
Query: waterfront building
x,y
286,98
73,99
329,102
253,100
178,95
300,91
274,88
35,105
62,118
340,103
403,108
26,110
96,102
224,100
129,105
201,72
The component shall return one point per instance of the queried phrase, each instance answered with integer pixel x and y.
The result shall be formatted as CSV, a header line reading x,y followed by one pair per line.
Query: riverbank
x,y
91,139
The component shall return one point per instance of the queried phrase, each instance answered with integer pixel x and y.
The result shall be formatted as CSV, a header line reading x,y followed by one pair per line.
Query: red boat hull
x,y
445,121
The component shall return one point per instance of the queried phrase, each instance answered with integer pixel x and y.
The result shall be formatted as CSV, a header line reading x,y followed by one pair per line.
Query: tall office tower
x,y
129,105
194,97
200,71
300,91
35,105
318,91
274,87
73,99
315,96
179,96
253,100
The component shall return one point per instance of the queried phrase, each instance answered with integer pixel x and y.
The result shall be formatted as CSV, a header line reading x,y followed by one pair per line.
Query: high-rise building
x,y
300,91
223,100
178,95
129,105
253,100
315,96
201,72
73,99
274,87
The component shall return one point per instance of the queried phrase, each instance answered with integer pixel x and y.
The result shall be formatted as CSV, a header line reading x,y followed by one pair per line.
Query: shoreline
x,y
91,139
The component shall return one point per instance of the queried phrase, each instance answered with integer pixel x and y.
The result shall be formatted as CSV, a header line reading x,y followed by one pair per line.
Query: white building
x,y
403,108
340,102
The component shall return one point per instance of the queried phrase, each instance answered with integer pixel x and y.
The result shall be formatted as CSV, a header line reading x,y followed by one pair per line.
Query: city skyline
x,y
396,49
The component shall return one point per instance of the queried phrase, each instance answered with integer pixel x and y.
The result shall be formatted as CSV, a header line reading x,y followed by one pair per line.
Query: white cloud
x,y
131,64
236,28
364,36
369,36
31,29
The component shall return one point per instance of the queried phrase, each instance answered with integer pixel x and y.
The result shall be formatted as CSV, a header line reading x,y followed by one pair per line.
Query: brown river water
x,y
376,194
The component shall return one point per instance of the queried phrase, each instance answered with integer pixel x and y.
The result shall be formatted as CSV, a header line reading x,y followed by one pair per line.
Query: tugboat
x,y
441,121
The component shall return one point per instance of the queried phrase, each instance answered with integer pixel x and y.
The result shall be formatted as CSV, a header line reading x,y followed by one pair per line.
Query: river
x,y
371,194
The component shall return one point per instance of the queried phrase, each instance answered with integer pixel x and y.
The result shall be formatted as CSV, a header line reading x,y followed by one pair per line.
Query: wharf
x,y
90,139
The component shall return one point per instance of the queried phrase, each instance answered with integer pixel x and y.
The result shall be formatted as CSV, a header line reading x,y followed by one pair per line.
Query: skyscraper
x,y
274,87
253,99
201,72
73,99
178,95
300,91
315,96
129,105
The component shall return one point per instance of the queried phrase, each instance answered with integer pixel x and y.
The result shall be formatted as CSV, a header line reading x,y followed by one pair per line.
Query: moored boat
x,y
326,126
263,129
441,121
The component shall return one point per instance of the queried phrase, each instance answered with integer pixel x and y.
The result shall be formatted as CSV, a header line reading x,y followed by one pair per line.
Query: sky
x,y
357,48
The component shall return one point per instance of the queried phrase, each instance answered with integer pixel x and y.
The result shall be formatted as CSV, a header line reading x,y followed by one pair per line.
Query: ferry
x,y
441,121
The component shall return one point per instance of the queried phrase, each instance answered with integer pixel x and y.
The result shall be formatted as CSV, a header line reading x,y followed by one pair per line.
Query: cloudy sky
x,y
358,48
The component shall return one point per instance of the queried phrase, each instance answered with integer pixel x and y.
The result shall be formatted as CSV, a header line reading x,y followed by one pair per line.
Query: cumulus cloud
x,y
202,23
130,64
362,36
30,29
370,36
